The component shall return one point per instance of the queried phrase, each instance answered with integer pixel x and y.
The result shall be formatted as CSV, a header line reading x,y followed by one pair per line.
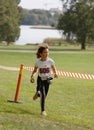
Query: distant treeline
x,y
40,17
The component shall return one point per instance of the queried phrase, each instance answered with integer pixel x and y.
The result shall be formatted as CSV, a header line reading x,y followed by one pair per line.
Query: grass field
x,y
69,104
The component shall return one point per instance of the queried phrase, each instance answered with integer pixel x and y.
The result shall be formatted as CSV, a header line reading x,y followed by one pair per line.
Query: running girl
x,y
44,65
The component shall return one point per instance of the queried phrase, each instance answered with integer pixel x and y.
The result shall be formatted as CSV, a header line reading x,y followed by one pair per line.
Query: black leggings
x,y
43,87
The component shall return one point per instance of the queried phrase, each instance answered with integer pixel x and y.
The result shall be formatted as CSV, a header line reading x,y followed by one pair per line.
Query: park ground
x,y
70,102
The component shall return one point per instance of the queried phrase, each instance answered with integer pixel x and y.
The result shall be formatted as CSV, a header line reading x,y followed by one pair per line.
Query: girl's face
x,y
44,54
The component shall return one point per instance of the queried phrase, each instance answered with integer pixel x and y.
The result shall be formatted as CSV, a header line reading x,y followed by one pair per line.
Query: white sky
x,y
41,4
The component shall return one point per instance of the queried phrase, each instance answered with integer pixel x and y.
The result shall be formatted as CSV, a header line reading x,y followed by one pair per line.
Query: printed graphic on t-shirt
x,y
44,70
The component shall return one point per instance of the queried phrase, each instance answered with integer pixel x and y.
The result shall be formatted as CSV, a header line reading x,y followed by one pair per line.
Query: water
x,y
33,36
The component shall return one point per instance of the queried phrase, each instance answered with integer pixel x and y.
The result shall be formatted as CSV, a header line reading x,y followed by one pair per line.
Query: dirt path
x,y
9,68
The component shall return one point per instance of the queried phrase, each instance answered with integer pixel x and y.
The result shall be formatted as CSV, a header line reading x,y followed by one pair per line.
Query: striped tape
x,y
28,68
69,74
76,75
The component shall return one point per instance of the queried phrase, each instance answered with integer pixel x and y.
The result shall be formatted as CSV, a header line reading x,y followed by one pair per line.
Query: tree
x,y
10,19
40,17
78,20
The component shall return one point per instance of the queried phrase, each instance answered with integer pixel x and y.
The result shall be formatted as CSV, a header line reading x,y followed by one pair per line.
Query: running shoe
x,y
43,113
37,94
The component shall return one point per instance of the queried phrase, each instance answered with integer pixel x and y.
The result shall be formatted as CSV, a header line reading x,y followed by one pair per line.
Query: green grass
x,y
70,101
65,46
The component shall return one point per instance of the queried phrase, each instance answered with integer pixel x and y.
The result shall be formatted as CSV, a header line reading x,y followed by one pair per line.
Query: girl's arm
x,y
32,75
54,71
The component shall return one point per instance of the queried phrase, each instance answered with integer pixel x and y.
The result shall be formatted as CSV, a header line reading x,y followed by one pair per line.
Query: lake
x,y
33,36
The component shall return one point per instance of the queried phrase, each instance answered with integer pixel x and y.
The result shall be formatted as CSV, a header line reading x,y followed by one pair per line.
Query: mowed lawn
x,y
70,101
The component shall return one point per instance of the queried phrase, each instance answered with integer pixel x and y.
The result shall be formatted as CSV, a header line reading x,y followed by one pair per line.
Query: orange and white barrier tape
x,y
68,74
76,75
28,68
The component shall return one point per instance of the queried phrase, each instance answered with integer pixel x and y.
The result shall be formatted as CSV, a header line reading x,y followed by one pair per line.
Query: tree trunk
x,y
8,43
83,47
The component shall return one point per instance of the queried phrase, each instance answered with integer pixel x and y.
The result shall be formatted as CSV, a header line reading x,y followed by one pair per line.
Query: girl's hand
x,y
55,76
32,80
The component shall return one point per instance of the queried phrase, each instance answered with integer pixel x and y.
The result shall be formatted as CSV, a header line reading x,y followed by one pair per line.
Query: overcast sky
x,y
41,4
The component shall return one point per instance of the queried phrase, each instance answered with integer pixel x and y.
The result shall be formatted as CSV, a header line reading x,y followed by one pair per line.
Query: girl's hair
x,y
40,50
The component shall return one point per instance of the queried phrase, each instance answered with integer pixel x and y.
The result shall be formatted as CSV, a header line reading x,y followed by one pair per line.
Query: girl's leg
x,y
42,100
38,84
44,90
37,94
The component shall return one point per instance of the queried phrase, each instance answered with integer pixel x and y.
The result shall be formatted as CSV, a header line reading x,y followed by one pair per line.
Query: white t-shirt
x,y
44,68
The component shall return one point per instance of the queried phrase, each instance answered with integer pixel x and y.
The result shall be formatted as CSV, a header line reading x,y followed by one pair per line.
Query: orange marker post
x,y
19,83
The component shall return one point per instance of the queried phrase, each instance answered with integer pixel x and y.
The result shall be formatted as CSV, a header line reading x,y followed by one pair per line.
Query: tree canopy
x,y
78,20
39,17
10,19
